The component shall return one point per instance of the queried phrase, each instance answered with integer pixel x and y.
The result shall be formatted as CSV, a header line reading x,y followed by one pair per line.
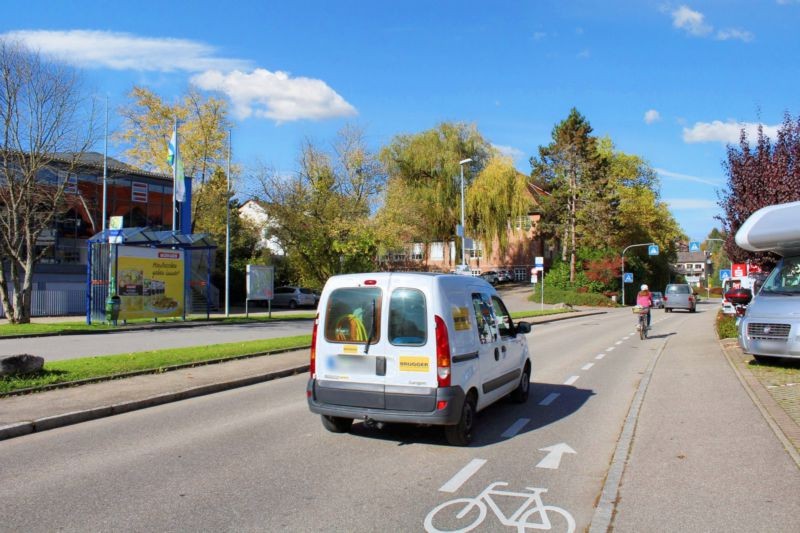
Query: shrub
x,y
554,295
726,325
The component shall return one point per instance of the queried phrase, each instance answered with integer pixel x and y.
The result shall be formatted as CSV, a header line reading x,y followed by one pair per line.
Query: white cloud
x,y
686,177
123,51
651,115
276,95
733,33
693,22
691,203
725,132
509,151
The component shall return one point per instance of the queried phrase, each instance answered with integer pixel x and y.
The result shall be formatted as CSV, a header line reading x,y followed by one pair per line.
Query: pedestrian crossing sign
x,y
628,277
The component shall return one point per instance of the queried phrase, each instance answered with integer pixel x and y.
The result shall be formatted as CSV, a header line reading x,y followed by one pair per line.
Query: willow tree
x,y
46,125
423,199
495,199
203,125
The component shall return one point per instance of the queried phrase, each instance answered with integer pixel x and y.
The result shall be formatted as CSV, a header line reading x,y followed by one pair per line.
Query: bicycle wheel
x,y
549,522
450,523
642,329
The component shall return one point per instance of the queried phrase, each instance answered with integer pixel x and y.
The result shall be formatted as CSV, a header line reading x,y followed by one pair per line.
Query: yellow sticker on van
x,y
461,318
414,364
349,348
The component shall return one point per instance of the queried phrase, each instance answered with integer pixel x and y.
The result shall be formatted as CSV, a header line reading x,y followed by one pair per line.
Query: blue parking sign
x,y
628,277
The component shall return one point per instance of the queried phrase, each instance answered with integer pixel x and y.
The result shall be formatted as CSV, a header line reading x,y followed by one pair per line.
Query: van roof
x,y
775,228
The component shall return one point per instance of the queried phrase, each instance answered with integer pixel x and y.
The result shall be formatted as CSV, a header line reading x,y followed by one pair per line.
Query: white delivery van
x,y
771,325
417,348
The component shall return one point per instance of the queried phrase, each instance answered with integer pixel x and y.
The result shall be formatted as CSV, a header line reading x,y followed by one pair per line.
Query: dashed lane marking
x,y
515,428
610,348
550,398
587,366
599,356
459,479
571,380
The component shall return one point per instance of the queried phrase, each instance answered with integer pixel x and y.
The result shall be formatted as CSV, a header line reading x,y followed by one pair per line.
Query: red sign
x,y
738,270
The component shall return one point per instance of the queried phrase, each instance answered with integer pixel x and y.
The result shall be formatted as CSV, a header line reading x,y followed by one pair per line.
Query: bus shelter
x,y
140,273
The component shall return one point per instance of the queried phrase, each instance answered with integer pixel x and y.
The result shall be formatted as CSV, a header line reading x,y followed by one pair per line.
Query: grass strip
x,y
62,328
542,312
69,370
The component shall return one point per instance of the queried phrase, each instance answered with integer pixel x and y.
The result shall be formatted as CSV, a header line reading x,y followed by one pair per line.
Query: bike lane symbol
x,y
465,514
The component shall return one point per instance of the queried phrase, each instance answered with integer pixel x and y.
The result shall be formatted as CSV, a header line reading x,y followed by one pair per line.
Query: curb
x,y
43,424
784,427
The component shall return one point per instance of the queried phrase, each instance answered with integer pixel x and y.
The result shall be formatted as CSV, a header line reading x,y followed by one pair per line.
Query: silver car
x,y
679,296
293,297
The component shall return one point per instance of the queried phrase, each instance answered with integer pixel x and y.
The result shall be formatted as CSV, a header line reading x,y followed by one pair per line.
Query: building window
x,y
139,192
476,250
417,251
437,251
70,182
524,222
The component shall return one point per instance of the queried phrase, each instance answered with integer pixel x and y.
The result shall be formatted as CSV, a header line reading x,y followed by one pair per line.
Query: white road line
x,y
618,343
599,356
550,398
515,428
571,380
587,366
459,479
610,348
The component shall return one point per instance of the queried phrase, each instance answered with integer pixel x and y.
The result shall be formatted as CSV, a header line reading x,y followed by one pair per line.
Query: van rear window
x,y
354,315
408,322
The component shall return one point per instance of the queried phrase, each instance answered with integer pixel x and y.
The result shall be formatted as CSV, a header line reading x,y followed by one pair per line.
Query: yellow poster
x,y
414,364
461,318
150,282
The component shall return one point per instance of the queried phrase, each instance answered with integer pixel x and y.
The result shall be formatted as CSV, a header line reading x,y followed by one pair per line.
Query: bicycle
x,y
642,326
519,518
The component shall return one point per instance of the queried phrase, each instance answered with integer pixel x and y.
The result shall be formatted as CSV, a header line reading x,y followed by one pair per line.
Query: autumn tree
x,y
761,175
203,126
321,214
572,170
423,198
47,125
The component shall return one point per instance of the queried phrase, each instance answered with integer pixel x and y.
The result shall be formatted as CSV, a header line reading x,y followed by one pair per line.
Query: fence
x,y
55,302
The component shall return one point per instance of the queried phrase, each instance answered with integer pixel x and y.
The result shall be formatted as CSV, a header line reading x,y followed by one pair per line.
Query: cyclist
x,y
645,299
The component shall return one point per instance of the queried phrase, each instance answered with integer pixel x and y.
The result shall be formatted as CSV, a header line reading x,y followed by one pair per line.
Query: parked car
x,y
491,277
679,296
293,297
414,348
658,300
504,276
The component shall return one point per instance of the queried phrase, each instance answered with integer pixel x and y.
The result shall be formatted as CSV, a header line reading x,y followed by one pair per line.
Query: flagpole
x,y
228,230
105,170
175,176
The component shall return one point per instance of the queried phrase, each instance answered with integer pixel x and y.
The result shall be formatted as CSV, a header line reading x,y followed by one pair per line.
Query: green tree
x,y
203,126
46,125
321,215
423,199
572,170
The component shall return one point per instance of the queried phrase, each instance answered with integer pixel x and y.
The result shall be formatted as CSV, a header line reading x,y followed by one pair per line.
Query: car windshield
x,y
678,289
785,278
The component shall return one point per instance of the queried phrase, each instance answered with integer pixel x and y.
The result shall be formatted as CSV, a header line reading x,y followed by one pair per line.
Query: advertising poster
x,y
150,282
260,280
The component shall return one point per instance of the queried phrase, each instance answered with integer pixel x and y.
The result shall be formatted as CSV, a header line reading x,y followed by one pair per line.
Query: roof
x,y
775,228
691,257
95,160
153,238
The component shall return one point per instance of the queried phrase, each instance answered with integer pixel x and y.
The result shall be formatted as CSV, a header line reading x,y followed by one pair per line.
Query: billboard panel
x,y
150,282
260,282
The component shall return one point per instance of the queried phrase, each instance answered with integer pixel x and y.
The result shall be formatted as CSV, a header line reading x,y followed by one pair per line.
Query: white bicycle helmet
x,y
644,287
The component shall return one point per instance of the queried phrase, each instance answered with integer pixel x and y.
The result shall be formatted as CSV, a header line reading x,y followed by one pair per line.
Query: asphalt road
x,y
255,459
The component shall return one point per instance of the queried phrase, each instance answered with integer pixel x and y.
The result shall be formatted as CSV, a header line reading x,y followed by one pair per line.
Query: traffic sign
x,y
652,249
694,246
628,277
724,274
539,262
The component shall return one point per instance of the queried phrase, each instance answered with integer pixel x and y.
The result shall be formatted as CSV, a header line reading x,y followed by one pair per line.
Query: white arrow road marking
x,y
587,366
571,380
467,472
599,356
553,458
550,398
515,428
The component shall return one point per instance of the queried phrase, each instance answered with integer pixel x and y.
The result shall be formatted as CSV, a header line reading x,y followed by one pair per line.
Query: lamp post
x,y
463,232
228,231
622,274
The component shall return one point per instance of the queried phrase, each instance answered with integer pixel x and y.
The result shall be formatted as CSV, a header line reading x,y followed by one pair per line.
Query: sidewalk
x,y
21,415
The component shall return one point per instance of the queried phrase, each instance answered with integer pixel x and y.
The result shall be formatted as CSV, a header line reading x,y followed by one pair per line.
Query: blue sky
x,y
672,82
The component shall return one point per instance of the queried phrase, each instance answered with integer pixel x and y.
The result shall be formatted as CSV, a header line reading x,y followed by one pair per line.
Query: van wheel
x,y
292,304
461,433
336,424
520,394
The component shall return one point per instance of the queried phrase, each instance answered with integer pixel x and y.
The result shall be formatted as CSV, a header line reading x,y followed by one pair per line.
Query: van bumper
x,y
382,403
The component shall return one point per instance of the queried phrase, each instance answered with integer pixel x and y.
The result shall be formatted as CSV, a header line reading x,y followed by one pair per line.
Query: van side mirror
x,y
523,327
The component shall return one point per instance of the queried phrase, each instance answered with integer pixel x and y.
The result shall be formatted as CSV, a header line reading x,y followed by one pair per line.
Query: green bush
x,y
554,295
726,326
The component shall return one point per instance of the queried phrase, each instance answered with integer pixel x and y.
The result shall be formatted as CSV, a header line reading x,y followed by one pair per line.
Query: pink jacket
x,y
644,299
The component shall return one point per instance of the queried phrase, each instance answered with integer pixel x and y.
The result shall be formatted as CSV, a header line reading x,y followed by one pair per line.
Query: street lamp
x,y
463,232
623,266
228,231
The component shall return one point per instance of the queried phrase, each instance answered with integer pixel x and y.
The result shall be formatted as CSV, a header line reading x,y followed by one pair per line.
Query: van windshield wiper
x,y
371,330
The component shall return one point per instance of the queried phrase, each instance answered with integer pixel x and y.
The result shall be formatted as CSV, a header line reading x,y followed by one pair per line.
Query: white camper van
x,y
771,326
416,348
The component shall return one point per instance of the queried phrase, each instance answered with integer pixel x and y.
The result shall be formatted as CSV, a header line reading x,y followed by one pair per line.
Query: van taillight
x,y
312,366
442,353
